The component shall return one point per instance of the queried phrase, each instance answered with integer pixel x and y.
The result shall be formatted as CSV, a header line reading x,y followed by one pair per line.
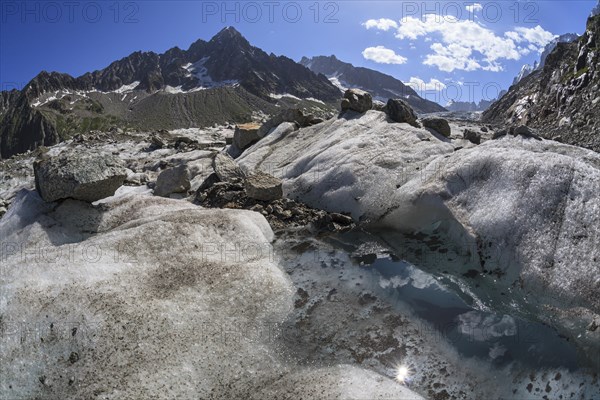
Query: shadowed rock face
x,y
78,176
562,99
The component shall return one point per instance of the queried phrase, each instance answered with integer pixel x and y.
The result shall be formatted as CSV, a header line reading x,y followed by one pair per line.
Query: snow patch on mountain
x,y
282,95
335,80
127,88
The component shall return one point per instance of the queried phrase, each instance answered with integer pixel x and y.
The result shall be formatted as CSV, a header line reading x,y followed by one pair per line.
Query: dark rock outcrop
x,y
399,111
561,99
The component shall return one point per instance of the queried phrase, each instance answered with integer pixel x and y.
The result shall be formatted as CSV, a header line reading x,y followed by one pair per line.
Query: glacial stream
x,y
450,340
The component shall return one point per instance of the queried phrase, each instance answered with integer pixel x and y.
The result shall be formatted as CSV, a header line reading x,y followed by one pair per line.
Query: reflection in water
x,y
474,333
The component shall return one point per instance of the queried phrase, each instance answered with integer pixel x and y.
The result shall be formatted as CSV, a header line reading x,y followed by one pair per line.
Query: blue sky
x,y
464,46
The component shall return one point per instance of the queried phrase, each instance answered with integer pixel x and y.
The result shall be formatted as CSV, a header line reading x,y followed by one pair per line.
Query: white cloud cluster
x,y
383,55
474,7
383,24
419,84
536,36
466,45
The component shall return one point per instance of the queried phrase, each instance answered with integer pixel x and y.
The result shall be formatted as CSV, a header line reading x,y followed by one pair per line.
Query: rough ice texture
x,y
169,300
527,209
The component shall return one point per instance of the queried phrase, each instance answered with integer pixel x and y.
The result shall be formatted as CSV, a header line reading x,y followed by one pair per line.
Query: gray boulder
x,y
86,177
525,131
262,186
440,125
245,135
226,169
157,142
399,111
379,105
173,180
137,179
472,136
357,100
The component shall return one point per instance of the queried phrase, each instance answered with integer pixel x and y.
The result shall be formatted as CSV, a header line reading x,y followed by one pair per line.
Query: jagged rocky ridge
x,y
381,86
562,99
223,80
482,105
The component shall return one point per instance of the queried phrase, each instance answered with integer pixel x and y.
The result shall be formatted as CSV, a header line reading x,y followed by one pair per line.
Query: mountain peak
x,y
229,32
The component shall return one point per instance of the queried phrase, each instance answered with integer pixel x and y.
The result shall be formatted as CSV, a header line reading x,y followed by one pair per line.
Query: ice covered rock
x,y
357,100
346,165
527,212
87,177
151,297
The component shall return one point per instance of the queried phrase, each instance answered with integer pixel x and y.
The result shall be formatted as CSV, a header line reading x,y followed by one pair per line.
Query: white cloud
x,y
420,85
383,24
474,7
383,55
537,37
468,45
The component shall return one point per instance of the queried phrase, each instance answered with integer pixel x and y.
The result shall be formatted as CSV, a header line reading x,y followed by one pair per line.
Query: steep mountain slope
x,y
562,99
381,86
223,80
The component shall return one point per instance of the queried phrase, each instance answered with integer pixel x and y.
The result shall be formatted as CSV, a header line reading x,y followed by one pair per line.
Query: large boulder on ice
x,y
400,111
357,100
245,135
87,177
148,297
440,125
525,213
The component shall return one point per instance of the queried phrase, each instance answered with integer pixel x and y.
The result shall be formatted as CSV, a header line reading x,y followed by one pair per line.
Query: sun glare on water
x,y
402,373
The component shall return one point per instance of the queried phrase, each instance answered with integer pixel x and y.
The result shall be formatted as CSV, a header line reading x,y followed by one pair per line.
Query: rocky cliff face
x,y
562,99
381,86
223,80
